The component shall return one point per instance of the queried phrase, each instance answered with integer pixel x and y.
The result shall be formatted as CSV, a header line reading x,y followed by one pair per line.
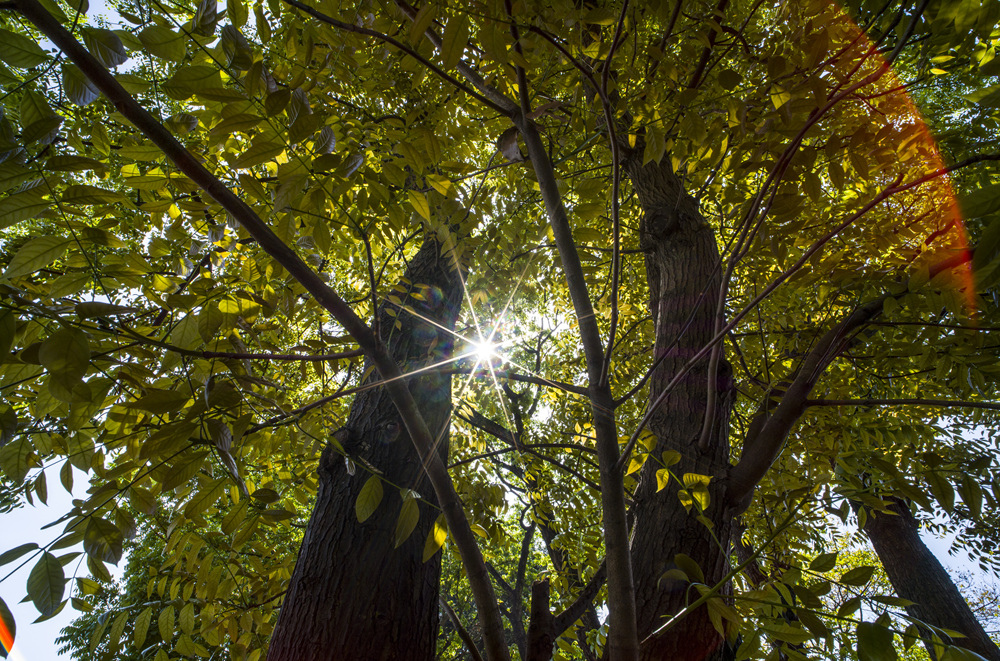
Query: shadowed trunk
x,y
682,269
917,575
352,594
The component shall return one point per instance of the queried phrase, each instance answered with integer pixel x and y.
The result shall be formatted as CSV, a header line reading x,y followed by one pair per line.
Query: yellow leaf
x,y
779,97
435,538
407,521
441,184
419,203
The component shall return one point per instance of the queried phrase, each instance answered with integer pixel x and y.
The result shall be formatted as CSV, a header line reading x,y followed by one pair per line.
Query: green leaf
x,y
943,492
77,86
46,584
85,194
14,175
103,540
455,39
655,146
105,46
369,498
875,643
165,624
36,254
206,17
141,627
236,10
37,118
17,458
266,496
823,562
66,352
163,42
19,51
972,495
118,628
729,79
779,96
8,424
422,21
16,552
73,163
857,576
239,55
187,81
409,515
97,309
186,618
184,470
206,496
257,154
954,653
690,568
982,202
160,401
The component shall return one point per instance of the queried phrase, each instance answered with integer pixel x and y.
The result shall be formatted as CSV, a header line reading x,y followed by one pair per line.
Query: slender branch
x,y
761,449
350,27
886,193
948,403
707,52
499,101
910,27
463,633
583,601
414,422
616,181
623,640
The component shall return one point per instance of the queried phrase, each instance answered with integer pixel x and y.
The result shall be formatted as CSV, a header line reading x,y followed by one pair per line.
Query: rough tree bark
x,y
352,594
917,575
682,269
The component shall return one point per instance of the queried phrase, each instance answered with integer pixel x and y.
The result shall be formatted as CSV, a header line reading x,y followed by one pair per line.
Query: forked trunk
x,y
683,271
353,594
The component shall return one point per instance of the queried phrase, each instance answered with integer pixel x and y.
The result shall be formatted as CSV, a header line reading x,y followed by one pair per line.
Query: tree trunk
x,y
353,595
682,268
917,575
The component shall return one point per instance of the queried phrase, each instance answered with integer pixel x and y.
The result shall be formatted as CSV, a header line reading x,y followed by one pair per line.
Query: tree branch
x,y
948,403
349,27
583,601
397,389
761,449
623,639
497,100
463,633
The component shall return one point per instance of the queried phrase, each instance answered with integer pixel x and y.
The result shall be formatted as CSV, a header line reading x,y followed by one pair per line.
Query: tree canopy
x,y
600,323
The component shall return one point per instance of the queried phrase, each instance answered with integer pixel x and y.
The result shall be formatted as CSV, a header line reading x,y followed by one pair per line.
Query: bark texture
x,y
352,594
682,268
917,575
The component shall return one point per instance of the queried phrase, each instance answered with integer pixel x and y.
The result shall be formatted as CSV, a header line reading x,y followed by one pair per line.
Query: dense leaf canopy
x,y
841,156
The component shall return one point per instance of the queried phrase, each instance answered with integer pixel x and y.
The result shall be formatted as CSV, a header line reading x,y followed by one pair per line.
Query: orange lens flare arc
x,y
945,227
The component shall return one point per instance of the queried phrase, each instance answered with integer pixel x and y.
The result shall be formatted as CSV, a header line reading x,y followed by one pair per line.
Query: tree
x,y
719,234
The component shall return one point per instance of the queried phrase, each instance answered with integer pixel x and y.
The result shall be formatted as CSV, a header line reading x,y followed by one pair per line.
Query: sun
x,y
485,351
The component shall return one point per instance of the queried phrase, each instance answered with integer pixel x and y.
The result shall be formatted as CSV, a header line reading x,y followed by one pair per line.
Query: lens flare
x,y
928,225
486,351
